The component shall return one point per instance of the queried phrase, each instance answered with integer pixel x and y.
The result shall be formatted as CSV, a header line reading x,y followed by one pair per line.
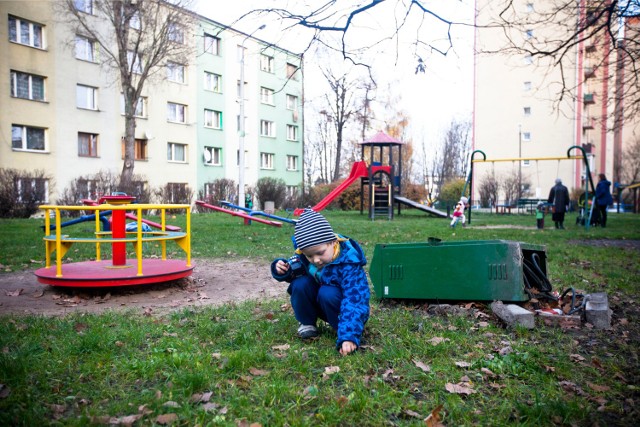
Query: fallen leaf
x,y
147,311
80,327
15,293
166,418
127,420
463,364
37,294
258,372
171,404
419,364
413,414
4,391
437,340
487,371
577,358
331,370
459,389
210,406
433,420
597,387
282,347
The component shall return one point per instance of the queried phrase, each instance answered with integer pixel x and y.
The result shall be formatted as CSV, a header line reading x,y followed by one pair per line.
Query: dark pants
x,y
602,211
540,223
311,301
558,218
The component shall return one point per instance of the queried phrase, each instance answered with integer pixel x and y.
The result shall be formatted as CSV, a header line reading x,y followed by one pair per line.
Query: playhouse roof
x,y
381,138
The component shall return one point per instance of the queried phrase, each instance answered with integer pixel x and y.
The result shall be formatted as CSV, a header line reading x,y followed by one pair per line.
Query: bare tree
x,y
488,190
631,162
136,39
450,159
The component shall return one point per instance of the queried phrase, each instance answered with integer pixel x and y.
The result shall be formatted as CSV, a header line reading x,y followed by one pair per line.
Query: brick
x,y
597,310
513,315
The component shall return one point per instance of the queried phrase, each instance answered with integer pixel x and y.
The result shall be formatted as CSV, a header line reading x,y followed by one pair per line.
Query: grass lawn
x,y
242,364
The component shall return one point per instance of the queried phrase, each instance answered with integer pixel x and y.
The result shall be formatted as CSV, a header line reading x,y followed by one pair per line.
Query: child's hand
x,y
348,347
282,267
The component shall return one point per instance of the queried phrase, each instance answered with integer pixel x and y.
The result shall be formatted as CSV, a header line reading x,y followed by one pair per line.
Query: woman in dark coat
x,y
559,197
603,198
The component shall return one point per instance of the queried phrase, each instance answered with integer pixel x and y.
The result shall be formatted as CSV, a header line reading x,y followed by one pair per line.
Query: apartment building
x,y
518,110
62,110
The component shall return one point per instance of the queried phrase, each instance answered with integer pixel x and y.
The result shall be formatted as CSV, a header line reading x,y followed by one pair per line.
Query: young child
x,y
540,215
458,215
327,281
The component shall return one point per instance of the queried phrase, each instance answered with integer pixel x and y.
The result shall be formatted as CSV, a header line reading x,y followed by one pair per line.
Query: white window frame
x,y
171,152
136,66
24,138
15,75
292,71
135,22
176,72
213,156
266,95
292,102
212,119
526,136
90,141
292,133
141,107
176,33
267,63
32,182
267,128
20,28
85,6
85,49
266,160
527,86
211,44
292,163
86,97
212,82
175,111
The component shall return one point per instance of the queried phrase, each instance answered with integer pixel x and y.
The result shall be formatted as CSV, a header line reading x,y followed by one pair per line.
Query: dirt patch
x,y
617,243
213,282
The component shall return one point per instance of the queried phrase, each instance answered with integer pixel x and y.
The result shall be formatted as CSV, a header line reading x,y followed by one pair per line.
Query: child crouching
x,y
327,281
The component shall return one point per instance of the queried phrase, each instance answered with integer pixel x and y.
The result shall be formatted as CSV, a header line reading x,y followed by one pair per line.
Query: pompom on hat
x,y
312,229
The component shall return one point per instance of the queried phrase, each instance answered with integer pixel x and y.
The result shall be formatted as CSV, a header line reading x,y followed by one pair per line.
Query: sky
x,y
431,99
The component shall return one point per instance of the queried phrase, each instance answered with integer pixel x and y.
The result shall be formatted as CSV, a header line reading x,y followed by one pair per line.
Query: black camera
x,y
296,269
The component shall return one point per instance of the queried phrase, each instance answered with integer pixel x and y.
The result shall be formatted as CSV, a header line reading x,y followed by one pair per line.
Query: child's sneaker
x,y
307,331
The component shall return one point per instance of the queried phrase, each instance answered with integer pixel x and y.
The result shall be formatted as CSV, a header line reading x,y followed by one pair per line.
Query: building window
x,y
176,33
176,113
292,102
27,138
266,95
87,144
266,160
267,128
25,32
177,192
291,72
134,22
292,190
527,111
175,72
86,97
211,44
141,107
292,133
526,163
212,82
292,163
213,119
213,156
526,136
85,49
85,6
32,189
27,86
139,149
87,188
176,152
527,86
134,61
266,63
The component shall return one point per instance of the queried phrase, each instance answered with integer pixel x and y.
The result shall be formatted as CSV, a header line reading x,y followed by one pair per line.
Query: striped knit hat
x,y
312,229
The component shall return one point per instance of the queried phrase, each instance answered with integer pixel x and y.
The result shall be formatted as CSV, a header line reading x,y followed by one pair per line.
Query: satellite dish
x,y
207,155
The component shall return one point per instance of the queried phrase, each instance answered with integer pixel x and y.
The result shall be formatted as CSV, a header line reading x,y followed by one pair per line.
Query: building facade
x,y
62,110
531,110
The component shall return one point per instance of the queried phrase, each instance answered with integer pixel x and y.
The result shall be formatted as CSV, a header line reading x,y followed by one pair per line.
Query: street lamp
x,y
241,130
519,161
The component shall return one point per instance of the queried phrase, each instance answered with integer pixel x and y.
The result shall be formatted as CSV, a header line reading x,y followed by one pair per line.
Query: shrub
x,y
451,191
415,192
271,189
21,192
488,190
174,193
350,198
217,190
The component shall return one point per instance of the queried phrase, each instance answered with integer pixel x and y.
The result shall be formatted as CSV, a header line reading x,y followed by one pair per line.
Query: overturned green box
x,y
482,270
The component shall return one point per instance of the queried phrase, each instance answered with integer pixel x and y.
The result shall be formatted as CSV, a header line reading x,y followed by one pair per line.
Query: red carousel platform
x,y
119,270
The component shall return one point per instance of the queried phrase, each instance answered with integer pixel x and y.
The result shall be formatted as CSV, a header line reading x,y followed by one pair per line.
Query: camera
x,y
296,269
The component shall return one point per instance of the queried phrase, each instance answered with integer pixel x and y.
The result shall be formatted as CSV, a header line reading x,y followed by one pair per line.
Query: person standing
x,y
603,198
559,198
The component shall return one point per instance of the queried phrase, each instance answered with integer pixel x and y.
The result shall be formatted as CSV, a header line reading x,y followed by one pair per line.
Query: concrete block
x,y
562,321
513,315
597,310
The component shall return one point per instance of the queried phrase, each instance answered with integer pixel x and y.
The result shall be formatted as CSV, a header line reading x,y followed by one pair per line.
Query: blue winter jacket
x,y
347,273
603,193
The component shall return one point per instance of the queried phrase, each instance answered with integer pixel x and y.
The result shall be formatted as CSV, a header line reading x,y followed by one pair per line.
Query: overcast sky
x,y
431,99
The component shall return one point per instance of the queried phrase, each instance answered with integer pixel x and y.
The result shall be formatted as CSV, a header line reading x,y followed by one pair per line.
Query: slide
x,y
422,207
358,170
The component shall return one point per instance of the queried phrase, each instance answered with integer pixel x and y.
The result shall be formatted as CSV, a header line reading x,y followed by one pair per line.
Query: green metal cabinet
x,y
483,270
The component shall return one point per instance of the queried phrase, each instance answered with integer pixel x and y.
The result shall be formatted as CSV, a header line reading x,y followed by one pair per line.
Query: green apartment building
x,y
61,109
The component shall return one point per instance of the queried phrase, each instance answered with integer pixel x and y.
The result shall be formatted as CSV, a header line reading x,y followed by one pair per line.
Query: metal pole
x,y
470,180
519,162
241,131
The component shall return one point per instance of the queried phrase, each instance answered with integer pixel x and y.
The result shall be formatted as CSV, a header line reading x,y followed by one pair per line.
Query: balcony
x,y
589,123
589,98
589,72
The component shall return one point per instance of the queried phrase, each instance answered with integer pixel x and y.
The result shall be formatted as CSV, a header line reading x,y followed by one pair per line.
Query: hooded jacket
x,y
603,193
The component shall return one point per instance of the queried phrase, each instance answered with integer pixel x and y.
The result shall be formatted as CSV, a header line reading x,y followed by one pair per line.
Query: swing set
x,y
589,181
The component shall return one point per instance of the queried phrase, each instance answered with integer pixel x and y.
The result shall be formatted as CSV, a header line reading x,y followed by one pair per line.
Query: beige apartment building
x,y
62,110
520,117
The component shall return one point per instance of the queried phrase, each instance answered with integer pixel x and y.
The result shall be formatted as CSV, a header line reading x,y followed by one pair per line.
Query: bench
x,y
504,208
529,205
